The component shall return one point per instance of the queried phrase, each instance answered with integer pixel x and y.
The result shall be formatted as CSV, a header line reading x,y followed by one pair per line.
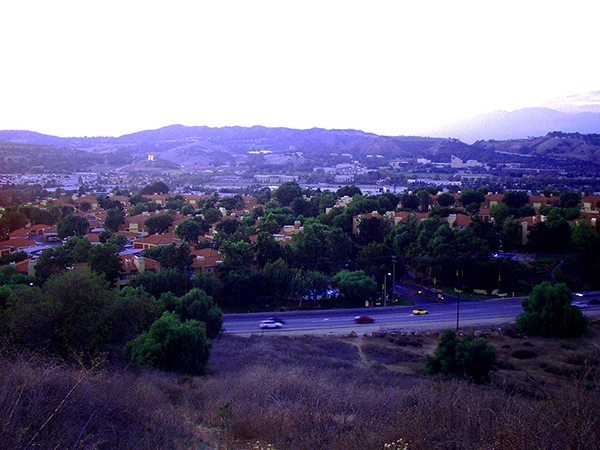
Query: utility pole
x,y
393,275
457,299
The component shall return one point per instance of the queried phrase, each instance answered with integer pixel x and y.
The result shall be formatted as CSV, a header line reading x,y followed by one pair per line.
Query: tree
x,y
410,201
236,254
54,261
68,312
373,229
470,358
212,215
446,200
197,305
173,345
548,313
468,196
138,198
267,248
349,191
355,285
132,312
114,218
499,212
104,259
515,199
188,231
167,280
157,187
287,192
159,223
72,225
569,199
171,256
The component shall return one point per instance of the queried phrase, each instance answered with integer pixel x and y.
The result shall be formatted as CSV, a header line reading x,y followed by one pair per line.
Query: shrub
x,y
470,358
173,345
548,313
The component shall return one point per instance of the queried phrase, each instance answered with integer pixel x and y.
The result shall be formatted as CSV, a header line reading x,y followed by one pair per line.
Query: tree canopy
x,y
548,312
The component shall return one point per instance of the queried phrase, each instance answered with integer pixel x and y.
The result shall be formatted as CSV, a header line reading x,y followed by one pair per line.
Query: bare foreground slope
x,y
308,392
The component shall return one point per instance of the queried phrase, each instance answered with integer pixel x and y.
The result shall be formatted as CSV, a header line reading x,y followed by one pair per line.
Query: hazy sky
x,y
98,68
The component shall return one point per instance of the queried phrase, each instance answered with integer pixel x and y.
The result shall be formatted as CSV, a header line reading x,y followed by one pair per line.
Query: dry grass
x,y
355,392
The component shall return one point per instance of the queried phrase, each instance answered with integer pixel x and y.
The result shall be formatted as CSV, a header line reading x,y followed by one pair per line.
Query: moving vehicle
x,y
583,294
270,323
419,311
363,319
579,305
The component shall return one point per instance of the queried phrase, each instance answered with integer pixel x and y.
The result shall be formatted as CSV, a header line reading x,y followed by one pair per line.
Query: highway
x,y
484,313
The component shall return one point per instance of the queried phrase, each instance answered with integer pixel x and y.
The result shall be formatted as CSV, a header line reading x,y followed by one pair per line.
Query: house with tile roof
x,y
459,221
156,240
134,264
589,204
206,260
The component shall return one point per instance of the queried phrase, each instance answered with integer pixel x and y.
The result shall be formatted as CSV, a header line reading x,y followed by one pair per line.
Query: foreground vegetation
x,y
351,392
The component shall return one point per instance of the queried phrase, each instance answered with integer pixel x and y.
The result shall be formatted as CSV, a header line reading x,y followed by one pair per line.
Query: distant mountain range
x,y
519,124
558,138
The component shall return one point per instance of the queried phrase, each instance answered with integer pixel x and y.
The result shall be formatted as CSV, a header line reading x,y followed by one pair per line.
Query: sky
x,y
91,68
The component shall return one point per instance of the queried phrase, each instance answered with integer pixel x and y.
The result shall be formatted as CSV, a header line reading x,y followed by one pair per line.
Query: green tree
x,y
171,256
569,199
212,215
516,199
56,260
548,313
373,229
104,259
68,312
197,305
267,248
189,230
355,286
410,201
173,345
157,187
114,218
499,212
159,223
470,358
236,254
446,200
469,196
167,280
131,312
138,198
287,192
72,225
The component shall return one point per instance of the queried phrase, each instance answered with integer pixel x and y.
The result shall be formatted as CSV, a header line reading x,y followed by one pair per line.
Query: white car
x,y
270,323
579,305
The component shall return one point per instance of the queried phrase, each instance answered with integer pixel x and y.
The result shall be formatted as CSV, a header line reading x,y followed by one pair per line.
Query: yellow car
x,y
419,311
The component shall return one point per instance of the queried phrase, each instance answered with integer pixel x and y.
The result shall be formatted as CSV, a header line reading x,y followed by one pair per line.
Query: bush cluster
x,y
470,358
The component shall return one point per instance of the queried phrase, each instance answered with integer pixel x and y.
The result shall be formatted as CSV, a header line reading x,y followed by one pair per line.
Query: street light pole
x,y
385,289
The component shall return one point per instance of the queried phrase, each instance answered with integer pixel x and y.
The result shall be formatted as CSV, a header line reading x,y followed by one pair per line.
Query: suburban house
x,y
134,264
156,240
206,260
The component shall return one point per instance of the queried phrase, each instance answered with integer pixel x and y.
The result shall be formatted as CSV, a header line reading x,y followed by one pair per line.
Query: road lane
x,y
392,318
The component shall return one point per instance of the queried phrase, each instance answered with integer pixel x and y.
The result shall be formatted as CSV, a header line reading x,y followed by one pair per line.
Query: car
x,y
583,294
277,319
363,319
269,323
579,305
419,311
